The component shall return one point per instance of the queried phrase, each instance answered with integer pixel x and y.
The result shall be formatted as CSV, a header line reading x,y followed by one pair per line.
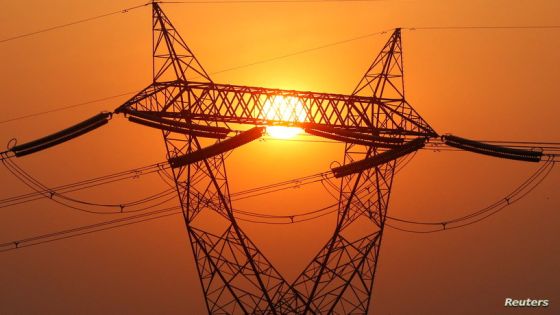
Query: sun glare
x,y
287,109
282,132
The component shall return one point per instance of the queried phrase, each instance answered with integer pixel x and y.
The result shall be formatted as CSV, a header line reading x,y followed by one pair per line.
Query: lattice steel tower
x,y
377,124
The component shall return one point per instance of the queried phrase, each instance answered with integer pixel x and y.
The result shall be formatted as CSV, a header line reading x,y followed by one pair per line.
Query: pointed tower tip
x,y
172,57
384,82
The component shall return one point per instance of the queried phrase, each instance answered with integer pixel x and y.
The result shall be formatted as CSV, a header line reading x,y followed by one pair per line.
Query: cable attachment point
x,y
137,174
335,164
122,208
12,143
444,225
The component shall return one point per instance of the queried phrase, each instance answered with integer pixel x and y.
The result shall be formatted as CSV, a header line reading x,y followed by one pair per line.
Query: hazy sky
x,y
483,84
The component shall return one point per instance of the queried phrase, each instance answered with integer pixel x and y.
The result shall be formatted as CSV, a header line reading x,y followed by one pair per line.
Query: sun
x,y
282,132
287,109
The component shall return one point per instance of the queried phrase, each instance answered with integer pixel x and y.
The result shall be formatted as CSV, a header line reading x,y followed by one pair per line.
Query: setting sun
x,y
289,109
282,132
264,157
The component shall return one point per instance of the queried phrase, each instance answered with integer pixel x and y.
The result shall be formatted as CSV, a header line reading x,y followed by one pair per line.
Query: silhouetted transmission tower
x,y
201,121
377,124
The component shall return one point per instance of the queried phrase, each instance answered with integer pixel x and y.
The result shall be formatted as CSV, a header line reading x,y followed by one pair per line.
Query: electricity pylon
x,y
376,123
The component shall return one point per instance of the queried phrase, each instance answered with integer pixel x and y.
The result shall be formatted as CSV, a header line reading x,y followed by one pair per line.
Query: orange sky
x,y
498,84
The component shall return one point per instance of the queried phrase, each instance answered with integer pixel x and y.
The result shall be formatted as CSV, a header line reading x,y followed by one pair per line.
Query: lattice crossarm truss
x,y
224,104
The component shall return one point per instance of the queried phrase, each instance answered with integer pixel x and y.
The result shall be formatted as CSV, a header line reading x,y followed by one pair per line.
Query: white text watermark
x,y
509,302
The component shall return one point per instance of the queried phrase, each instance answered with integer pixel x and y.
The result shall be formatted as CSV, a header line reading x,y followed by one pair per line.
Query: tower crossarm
x,y
226,103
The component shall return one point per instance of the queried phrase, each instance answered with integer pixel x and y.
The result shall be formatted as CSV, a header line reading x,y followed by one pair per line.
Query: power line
x,y
261,1
43,192
58,191
484,27
126,10
287,55
85,184
112,224
35,185
551,149
58,109
115,223
524,189
40,188
302,51
88,229
251,64
519,193
52,28
165,212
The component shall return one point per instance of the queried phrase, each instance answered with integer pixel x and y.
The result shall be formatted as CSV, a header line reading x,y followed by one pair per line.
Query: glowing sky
x,y
484,84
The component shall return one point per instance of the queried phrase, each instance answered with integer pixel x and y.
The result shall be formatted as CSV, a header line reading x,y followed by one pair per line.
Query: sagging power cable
x,y
66,201
521,191
85,184
41,191
88,229
59,26
476,216
516,195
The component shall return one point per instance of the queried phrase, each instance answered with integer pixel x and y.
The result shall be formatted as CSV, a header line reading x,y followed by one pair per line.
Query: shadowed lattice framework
x,y
375,122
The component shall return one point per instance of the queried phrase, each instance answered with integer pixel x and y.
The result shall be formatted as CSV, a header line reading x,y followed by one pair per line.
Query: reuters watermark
x,y
509,302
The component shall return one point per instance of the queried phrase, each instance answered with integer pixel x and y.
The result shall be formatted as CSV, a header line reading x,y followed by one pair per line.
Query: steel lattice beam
x,y
226,103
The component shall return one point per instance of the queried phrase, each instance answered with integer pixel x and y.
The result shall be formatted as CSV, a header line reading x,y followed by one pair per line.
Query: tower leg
x,y
339,280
